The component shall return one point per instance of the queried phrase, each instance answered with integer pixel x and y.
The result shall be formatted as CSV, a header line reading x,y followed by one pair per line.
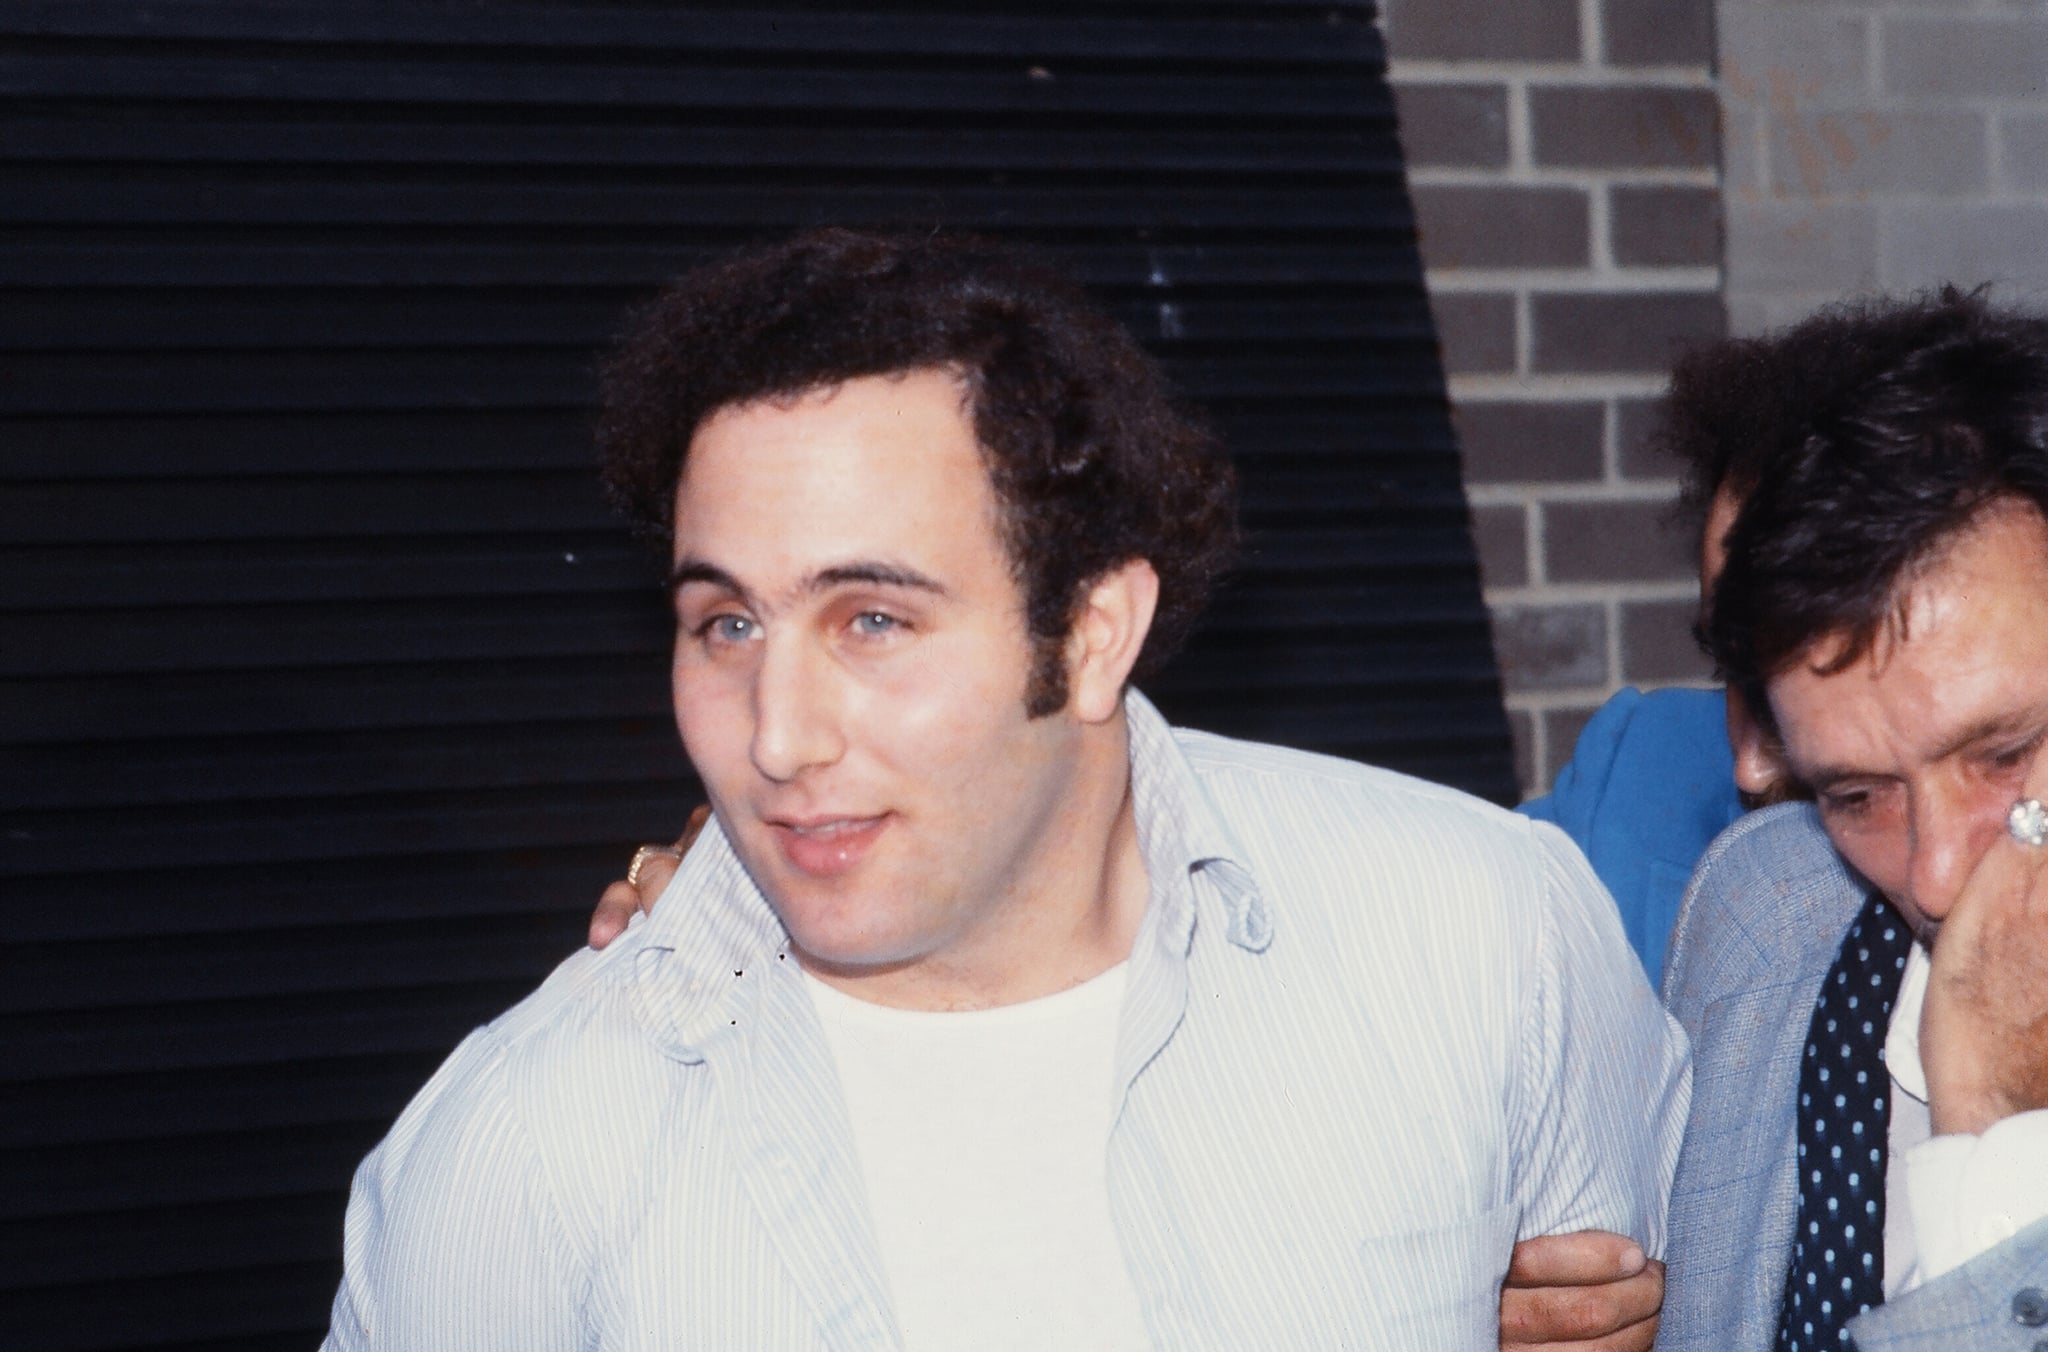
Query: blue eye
x,y
873,623
728,629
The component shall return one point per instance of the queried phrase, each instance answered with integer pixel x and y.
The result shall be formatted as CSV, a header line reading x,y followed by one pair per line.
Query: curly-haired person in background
x,y
989,1010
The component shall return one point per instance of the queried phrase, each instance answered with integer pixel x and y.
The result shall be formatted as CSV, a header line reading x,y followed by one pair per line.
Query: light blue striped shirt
x,y
1375,1031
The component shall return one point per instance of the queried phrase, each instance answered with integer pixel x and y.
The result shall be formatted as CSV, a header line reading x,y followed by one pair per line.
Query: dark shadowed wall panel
x,y
329,692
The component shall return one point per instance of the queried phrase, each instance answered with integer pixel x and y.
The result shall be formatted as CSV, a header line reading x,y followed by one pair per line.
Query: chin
x,y
830,932
849,955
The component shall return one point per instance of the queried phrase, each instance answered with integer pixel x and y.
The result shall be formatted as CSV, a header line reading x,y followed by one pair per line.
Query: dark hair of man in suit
x,y
1861,441
1093,460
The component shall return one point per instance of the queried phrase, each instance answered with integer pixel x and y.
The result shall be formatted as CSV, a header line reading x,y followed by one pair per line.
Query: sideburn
x,y
1046,691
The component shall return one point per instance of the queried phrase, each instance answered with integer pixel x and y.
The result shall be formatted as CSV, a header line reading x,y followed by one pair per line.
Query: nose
x,y
796,712
1950,831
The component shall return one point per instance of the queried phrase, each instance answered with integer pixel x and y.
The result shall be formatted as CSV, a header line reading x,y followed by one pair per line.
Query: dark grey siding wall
x,y
329,694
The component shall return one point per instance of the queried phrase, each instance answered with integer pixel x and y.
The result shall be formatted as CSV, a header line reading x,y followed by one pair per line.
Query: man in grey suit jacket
x,y
1743,984
1884,610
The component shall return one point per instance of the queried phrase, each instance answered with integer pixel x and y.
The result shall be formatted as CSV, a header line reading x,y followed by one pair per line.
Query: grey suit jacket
x,y
1759,928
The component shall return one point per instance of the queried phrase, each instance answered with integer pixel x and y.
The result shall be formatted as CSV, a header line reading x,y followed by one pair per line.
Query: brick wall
x,y
1564,158
1882,146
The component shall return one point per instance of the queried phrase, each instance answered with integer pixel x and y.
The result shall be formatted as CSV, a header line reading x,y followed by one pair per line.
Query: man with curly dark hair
x,y
989,1010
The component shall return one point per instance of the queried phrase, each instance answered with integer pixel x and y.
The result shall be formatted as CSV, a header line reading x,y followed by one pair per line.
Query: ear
x,y
1107,637
1759,761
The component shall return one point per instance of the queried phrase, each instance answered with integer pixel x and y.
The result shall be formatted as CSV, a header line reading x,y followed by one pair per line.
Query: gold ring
x,y
643,854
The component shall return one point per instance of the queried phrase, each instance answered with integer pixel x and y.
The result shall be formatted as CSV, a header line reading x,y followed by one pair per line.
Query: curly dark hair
x,y
1094,462
1862,439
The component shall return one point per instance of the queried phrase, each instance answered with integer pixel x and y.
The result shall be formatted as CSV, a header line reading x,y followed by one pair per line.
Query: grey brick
x,y
1880,150
1658,33
1561,729
1623,126
1482,30
1510,226
1476,331
1966,56
1550,647
1515,441
1502,537
1635,431
1657,643
2024,153
1522,734
1924,245
1664,227
1460,126
1615,542
1750,315
1754,313
1775,246
1743,163
1640,331
1786,58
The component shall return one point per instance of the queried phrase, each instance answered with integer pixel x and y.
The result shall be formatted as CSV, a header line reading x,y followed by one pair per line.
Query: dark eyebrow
x,y
688,570
1987,729
873,574
1998,727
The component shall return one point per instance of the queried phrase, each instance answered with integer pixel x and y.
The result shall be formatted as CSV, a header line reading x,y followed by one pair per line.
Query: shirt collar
x,y
1902,1041
710,941
1182,834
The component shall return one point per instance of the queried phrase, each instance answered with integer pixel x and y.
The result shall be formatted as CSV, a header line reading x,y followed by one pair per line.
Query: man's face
x,y
850,669
1916,751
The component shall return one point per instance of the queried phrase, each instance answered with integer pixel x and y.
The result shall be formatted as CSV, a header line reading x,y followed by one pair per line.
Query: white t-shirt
x,y
1957,1196
983,1137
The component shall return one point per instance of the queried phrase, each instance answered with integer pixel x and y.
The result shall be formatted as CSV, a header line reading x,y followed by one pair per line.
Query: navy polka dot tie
x,y
1845,1099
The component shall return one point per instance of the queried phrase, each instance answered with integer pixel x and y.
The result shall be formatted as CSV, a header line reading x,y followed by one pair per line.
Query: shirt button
x,y
2030,1306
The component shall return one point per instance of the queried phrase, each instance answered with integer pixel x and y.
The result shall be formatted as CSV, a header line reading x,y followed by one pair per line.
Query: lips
x,y
825,847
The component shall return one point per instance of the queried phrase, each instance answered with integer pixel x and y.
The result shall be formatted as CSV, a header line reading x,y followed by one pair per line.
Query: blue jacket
x,y
1650,784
